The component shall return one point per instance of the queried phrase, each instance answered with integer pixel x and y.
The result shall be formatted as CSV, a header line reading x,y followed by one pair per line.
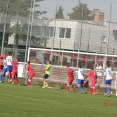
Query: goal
x,y
39,58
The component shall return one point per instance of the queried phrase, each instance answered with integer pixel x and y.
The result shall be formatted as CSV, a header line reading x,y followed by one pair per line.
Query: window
x,y
115,34
48,31
104,39
36,31
64,32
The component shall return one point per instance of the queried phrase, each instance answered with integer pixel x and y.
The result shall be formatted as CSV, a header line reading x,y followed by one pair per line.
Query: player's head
x,y
92,68
15,59
67,65
10,53
79,66
4,57
28,62
49,62
98,64
107,65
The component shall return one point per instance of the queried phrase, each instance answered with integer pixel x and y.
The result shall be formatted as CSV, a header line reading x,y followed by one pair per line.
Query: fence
x,y
63,25
75,29
39,57
58,76
62,58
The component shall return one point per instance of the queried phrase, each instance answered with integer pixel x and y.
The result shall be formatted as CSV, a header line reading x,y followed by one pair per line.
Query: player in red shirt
x,y
31,72
3,56
14,72
1,64
70,79
93,76
1,67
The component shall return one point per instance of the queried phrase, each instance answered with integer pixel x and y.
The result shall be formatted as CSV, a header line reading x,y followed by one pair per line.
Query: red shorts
x,y
93,83
1,68
31,75
14,73
70,80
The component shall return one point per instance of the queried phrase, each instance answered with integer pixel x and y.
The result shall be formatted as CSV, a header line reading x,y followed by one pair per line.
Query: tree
x,y
59,14
20,7
78,10
19,11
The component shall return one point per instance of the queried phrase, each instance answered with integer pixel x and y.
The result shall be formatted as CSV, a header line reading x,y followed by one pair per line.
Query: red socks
x,y
13,79
30,83
73,88
94,91
67,88
18,81
91,90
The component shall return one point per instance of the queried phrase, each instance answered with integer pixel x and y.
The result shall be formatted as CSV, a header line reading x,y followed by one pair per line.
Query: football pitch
x,y
23,101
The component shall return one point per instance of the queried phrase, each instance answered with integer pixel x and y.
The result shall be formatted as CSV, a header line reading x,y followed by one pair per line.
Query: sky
x,y
104,6
97,1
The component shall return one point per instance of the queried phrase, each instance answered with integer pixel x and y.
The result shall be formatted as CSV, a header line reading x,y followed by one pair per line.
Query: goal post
x,y
116,84
39,58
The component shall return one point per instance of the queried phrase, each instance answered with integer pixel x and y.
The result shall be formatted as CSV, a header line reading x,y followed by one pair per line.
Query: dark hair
x,y
92,68
98,63
49,62
10,53
79,66
28,62
67,65
107,65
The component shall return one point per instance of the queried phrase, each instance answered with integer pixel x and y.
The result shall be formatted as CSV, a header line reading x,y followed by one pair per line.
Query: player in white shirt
x,y
9,60
99,73
80,79
108,79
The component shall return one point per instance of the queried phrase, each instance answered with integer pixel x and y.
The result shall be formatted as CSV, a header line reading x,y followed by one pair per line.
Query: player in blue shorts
x,y
9,60
4,71
80,80
108,79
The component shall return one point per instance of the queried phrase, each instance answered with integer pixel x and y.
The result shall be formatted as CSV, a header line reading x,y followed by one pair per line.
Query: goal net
x,y
39,58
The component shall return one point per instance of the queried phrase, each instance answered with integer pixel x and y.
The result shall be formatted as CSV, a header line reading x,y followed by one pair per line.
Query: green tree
x,y
20,7
59,14
78,10
18,13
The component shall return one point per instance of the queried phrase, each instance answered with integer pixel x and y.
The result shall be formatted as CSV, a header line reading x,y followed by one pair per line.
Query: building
x,y
98,16
86,36
96,40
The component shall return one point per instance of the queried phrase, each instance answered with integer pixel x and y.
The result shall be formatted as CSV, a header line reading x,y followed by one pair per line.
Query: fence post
x,y
116,84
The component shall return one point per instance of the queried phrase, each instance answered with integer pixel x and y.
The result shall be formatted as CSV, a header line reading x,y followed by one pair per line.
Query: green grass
x,y
22,101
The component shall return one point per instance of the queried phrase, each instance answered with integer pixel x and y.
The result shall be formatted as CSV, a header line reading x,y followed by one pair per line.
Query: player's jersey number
x,y
9,60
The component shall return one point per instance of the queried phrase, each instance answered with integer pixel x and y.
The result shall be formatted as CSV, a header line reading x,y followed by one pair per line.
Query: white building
x,y
94,36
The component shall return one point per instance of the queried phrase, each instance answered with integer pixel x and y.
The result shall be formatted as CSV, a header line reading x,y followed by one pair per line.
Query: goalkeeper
x,y
47,74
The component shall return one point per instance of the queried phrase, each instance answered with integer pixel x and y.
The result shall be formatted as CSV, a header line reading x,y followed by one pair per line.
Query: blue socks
x,y
7,76
2,77
109,90
105,90
79,89
84,89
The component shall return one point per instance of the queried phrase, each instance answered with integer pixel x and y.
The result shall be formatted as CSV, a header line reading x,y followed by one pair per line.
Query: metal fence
x,y
61,25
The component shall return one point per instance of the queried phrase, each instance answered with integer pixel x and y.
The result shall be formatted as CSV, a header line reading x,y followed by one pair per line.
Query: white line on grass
x,y
79,106
88,96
